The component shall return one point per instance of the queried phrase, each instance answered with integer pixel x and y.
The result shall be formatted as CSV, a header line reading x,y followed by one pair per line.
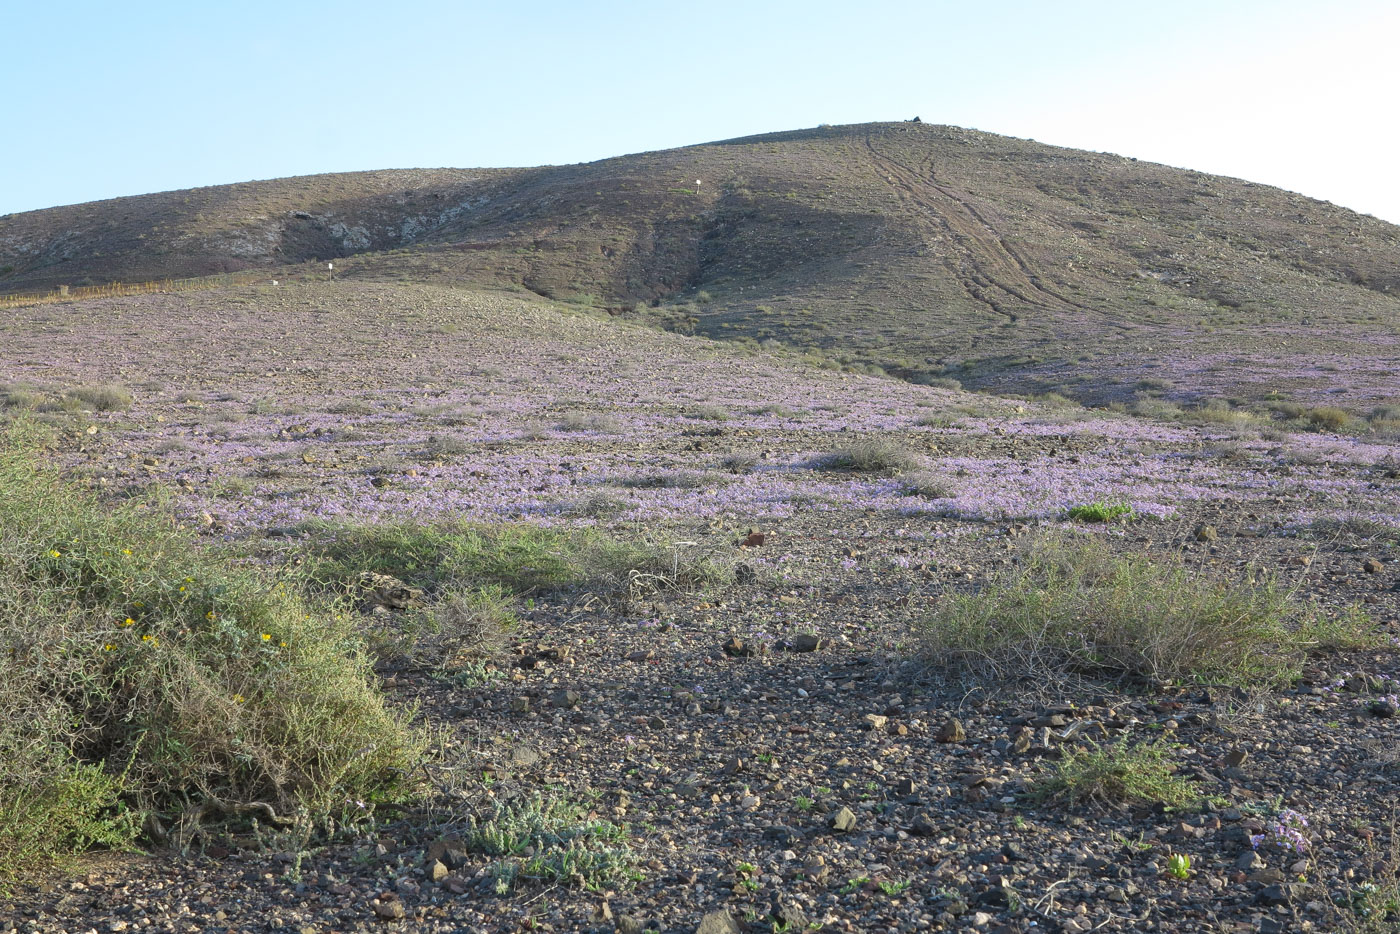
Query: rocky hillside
x,y
930,251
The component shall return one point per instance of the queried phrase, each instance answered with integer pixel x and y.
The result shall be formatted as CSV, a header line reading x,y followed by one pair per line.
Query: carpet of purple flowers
x,y
267,407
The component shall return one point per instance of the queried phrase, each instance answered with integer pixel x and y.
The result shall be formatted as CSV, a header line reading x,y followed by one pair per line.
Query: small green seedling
x,y
1100,512
1179,865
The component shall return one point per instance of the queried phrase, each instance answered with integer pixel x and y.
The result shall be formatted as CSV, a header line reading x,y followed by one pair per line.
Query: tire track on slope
x,y
1027,270
965,270
993,265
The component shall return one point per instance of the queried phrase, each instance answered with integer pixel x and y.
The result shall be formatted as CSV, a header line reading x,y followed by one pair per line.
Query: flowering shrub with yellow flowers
x,y
142,675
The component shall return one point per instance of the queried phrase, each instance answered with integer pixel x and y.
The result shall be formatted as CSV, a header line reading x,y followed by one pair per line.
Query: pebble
x,y
844,820
388,910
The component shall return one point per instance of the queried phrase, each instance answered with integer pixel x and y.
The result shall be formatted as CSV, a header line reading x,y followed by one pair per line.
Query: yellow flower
x,y
209,615
150,638
55,554
266,637
238,698
107,647
282,644
128,622
182,588
126,551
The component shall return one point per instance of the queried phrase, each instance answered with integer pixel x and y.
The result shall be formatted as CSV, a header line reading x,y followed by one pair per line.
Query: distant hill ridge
x,y
927,250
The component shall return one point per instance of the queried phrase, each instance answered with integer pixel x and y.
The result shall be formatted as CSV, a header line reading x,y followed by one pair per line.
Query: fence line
x,y
64,293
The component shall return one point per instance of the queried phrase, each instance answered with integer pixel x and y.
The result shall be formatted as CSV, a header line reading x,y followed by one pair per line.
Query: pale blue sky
x,y
108,99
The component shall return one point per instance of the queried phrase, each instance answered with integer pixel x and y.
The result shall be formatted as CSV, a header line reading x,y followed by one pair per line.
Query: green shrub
x,y
104,398
22,399
667,480
1218,412
1075,609
351,406
579,421
935,381
739,462
1284,410
52,806
873,456
596,505
1118,774
1056,400
470,626
1385,413
708,413
140,671
519,558
1156,408
1100,512
1328,418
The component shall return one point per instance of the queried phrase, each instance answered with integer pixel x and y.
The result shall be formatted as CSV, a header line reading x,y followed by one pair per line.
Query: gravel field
x,y
776,753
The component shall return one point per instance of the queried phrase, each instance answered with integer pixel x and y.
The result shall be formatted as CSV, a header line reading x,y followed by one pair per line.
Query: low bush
x,y
708,413
440,446
579,421
1100,512
1156,408
1074,608
1328,418
518,558
1218,412
666,480
26,400
106,398
1118,774
464,627
595,505
873,456
739,463
352,407
142,674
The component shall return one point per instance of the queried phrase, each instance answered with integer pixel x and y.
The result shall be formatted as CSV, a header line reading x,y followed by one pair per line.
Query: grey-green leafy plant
x,y
552,839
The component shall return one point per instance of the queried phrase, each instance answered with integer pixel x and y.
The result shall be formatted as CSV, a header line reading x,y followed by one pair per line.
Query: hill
x,y
932,252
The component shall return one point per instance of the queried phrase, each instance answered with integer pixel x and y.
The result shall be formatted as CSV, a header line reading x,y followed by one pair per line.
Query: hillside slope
x,y
927,250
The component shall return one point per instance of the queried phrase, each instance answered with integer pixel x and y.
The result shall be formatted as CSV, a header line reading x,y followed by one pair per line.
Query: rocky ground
x,y
776,754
